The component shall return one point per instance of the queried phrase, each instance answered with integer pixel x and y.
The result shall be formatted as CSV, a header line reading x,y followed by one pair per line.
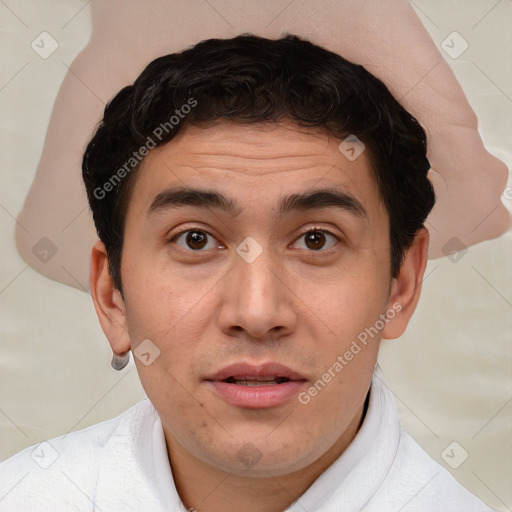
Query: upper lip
x,y
245,370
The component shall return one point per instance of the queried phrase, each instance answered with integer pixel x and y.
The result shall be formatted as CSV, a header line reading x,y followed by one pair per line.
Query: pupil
x,y
315,240
196,240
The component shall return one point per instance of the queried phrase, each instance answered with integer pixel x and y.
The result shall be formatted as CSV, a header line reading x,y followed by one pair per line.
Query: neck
x,y
205,488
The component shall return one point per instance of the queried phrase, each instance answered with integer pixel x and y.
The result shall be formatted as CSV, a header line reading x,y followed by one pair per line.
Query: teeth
x,y
257,378
255,382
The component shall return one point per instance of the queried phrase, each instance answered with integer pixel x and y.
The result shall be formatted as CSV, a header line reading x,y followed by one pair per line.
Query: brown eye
x,y
316,240
194,239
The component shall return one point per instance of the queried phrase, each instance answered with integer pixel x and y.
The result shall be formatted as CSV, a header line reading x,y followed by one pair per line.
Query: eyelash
x,y
309,230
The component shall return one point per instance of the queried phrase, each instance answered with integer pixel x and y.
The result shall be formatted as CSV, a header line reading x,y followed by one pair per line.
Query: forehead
x,y
255,163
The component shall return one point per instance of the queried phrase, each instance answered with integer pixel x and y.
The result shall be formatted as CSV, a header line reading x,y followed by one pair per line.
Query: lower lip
x,y
257,397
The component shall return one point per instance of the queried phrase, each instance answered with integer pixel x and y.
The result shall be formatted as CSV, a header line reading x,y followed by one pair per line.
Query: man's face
x,y
209,298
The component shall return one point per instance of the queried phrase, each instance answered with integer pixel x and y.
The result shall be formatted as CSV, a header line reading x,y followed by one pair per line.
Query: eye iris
x,y
315,240
196,239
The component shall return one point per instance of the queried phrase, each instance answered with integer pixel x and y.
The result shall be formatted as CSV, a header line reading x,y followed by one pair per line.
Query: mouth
x,y
256,386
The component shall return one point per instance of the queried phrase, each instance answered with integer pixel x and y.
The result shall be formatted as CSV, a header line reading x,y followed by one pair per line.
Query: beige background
x,y
451,373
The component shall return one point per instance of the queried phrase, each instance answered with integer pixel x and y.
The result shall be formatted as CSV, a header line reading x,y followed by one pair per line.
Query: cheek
x,y
344,301
346,340
159,296
172,315
183,413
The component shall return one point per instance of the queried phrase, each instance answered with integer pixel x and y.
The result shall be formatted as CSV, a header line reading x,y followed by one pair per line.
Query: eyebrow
x,y
305,201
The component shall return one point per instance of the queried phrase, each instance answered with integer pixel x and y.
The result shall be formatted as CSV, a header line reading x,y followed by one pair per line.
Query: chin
x,y
258,452
249,461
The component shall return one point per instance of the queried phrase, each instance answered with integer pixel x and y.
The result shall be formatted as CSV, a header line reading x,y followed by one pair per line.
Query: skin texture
x,y
385,37
293,305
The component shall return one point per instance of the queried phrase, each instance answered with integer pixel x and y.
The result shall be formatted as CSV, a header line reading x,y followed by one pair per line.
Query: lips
x,y
256,386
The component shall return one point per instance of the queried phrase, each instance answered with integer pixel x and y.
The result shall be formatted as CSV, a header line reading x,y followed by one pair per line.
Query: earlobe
x,y
406,287
108,302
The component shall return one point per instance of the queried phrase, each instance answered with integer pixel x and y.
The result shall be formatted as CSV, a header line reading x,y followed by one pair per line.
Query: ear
x,y
406,287
108,301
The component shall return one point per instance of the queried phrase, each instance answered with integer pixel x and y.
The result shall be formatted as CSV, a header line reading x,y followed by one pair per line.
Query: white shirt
x,y
122,465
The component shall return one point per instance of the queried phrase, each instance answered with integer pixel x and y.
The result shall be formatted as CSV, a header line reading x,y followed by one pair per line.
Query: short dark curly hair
x,y
250,79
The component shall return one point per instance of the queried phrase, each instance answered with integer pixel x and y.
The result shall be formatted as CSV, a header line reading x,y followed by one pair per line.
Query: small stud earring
x,y
120,361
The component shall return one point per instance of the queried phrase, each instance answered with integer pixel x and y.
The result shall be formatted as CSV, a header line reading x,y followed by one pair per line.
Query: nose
x,y
258,300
